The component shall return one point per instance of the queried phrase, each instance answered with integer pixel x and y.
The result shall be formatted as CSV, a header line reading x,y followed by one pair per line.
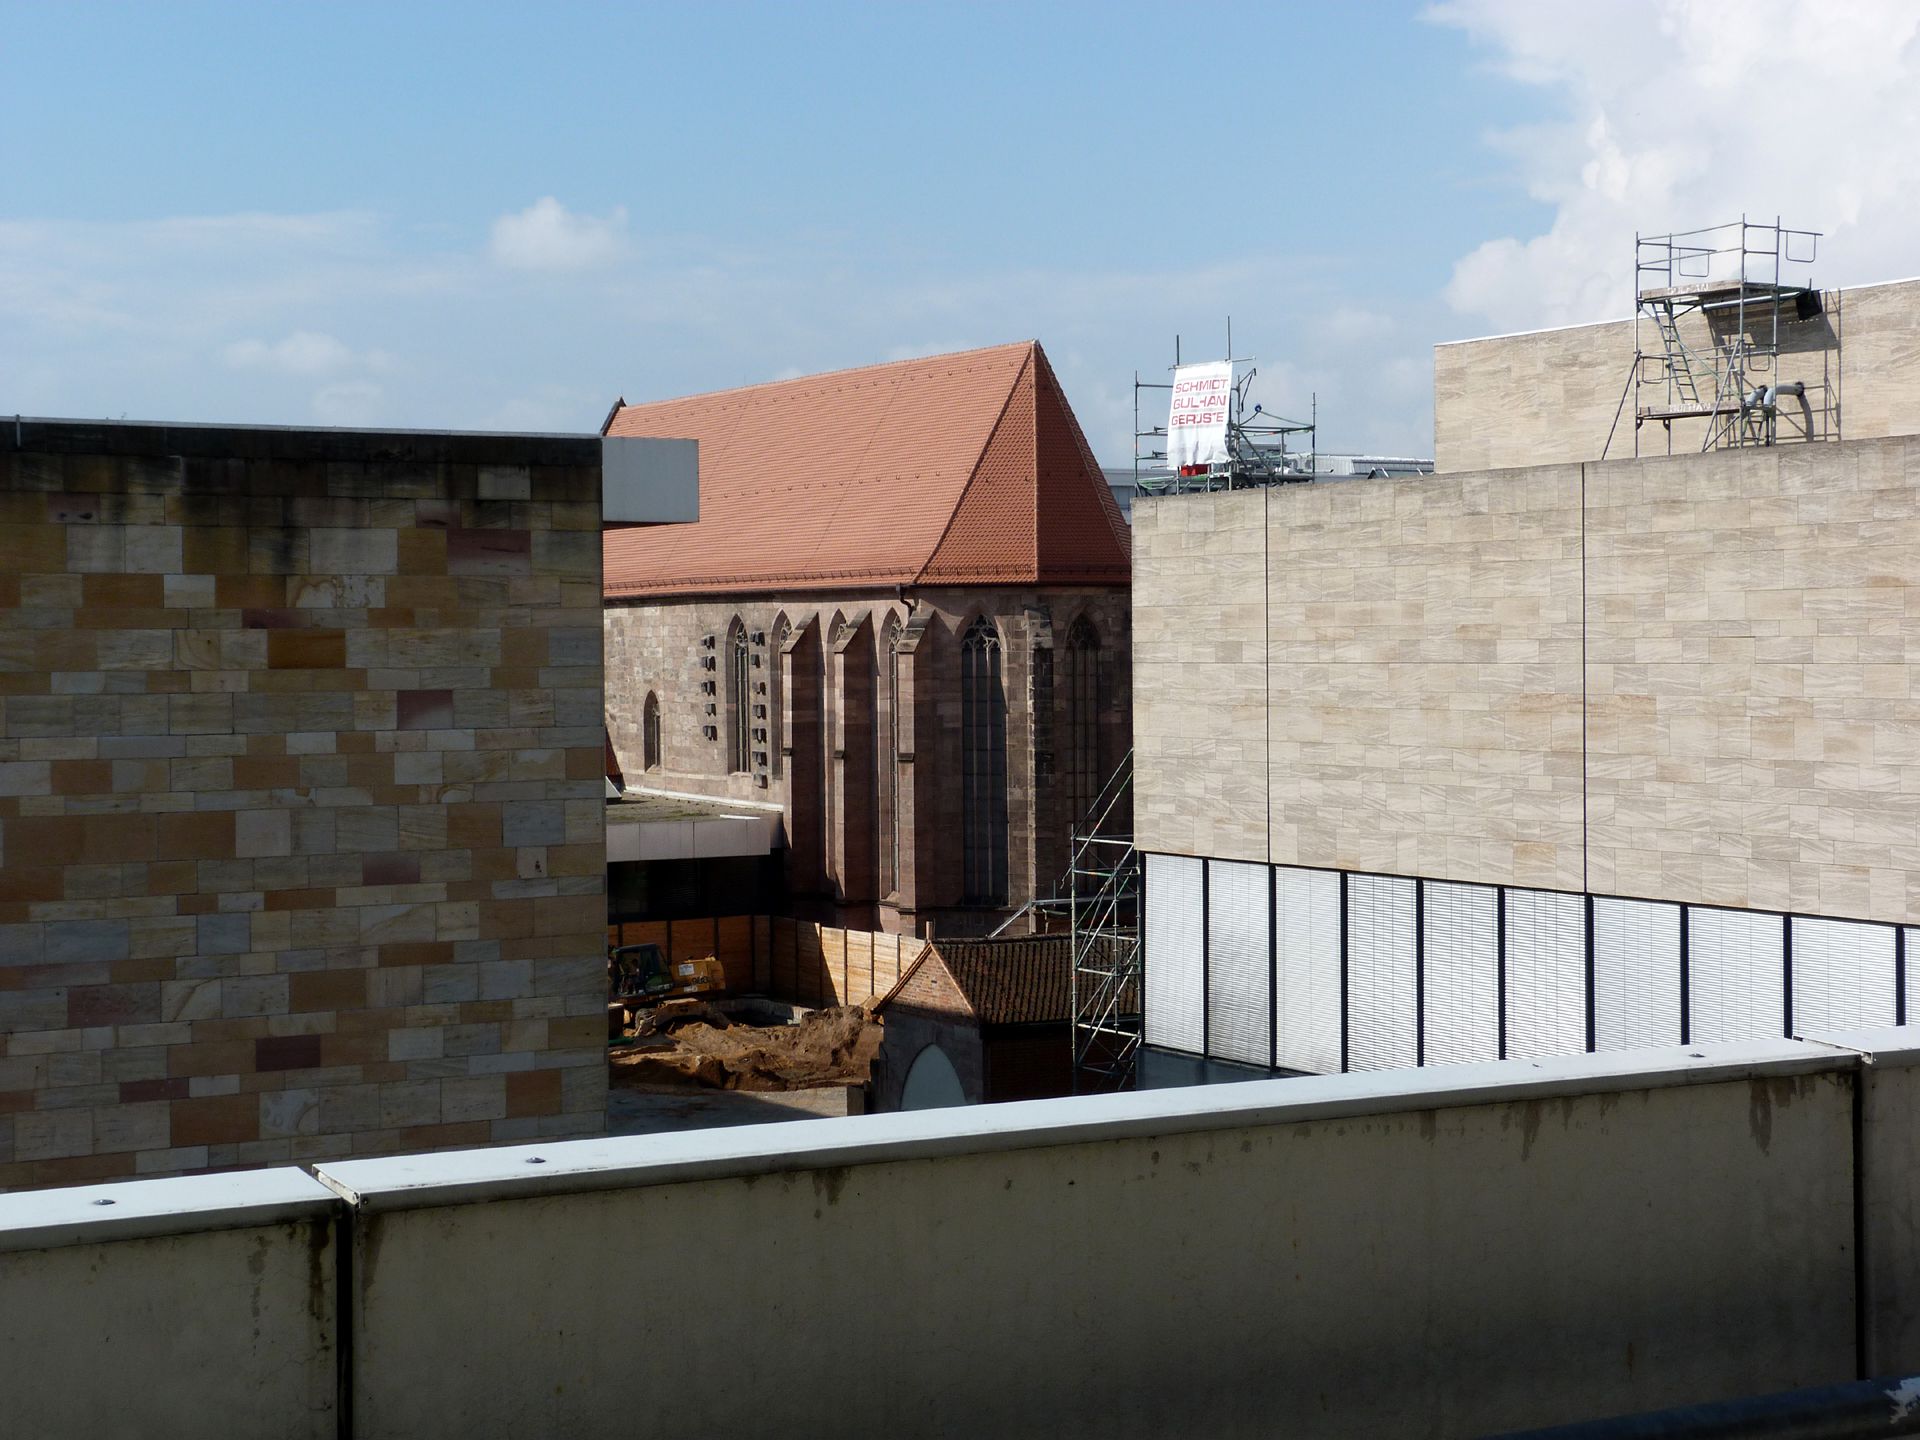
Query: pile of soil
x,y
700,1046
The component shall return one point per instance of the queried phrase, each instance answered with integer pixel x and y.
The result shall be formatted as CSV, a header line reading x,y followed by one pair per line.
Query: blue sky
x,y
493,216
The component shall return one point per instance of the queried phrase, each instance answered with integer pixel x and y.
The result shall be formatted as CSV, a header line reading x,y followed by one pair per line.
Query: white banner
x,y
1197,424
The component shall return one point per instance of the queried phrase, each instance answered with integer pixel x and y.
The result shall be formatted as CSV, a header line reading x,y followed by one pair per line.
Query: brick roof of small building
x,y
1018,981
962,469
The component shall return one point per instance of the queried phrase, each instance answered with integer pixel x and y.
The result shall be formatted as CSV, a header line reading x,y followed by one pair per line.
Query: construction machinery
x,y
641,979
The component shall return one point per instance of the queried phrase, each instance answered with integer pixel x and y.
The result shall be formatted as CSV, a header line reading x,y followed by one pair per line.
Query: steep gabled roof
x,y
959,469
1015,981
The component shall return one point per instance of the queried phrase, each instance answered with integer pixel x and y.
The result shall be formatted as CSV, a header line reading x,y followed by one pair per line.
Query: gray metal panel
x,y
1736,988
1636,974
1174,927
1306,1002
1463,973
1381,1033
649,481
1843,975
1546,974
1239,1008
1912,977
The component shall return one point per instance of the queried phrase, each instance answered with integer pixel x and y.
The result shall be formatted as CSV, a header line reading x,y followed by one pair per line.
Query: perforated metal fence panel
x,y
1736,977
1239,999
1262,965
1843,974
1546,973
1173,960
1306,1000
1382,1028
1462,957
1636,974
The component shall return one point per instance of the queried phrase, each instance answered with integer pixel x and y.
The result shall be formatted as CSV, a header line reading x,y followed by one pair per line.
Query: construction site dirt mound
x,y
835,1046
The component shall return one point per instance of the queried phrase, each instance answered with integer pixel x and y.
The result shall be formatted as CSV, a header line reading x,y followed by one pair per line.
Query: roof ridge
x,y
973,471
818,375
1091,474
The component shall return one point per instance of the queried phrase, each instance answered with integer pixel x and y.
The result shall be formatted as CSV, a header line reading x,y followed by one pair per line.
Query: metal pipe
x,y
1853,1411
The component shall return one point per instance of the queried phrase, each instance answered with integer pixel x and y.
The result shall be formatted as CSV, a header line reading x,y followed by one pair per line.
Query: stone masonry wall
x,y
1753,641
1550,396
836,826
301,843
1424,689
1683,679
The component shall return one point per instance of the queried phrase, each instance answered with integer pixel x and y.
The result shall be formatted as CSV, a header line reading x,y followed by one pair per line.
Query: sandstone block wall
x,y
1550,396
1200,723
1683,679
1423,693
1752,641
301,843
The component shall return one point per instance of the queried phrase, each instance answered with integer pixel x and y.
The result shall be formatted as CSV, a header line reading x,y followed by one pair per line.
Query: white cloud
x,y
548,236
1678,114
348,402
304,352
1353,323
355,320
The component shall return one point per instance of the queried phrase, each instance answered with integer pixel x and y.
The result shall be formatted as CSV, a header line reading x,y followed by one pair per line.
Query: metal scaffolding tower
x,y
1104,891
1258,442
1713,311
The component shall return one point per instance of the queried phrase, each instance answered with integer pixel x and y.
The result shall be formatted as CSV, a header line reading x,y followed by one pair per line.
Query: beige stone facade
x,y
300,805
1685,679
868,843
1552,396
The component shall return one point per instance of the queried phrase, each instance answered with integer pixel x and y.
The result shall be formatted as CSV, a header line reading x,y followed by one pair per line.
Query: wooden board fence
x,y
798,961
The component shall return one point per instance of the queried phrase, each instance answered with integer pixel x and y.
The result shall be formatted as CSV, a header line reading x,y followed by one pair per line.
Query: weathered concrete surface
x,y
1504,1245
1889,1167
171,1308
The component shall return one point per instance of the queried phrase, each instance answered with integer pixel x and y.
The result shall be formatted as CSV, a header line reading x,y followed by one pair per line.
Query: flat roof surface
x,y
196,440
637,806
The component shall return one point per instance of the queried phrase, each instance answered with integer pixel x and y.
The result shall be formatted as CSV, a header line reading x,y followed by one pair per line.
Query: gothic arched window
x,y
650,733
887,756
983,765
776,690
1082,750
739,700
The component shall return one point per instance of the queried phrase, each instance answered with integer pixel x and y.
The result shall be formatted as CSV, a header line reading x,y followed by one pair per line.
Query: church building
x,y
902,618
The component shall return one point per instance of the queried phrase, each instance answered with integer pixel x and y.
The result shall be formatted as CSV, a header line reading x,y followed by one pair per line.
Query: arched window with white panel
x,y
650,733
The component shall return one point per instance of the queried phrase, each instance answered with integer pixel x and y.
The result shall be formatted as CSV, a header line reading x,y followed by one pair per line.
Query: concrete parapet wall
x,y
193,1307
1509,1250
1437,1253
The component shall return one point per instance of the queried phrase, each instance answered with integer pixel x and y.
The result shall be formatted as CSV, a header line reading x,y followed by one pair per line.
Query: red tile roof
x,y
958,469
1024,980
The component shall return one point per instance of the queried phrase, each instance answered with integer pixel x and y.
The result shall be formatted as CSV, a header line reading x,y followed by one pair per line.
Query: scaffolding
x,y
1714,310
1257,442
1103,886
